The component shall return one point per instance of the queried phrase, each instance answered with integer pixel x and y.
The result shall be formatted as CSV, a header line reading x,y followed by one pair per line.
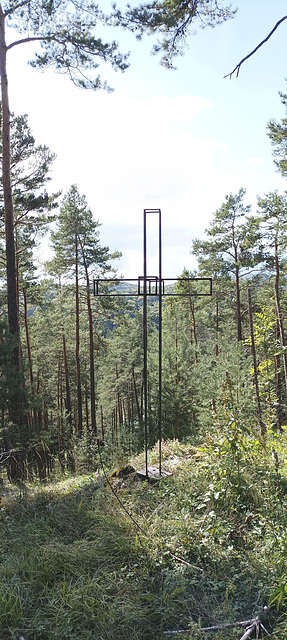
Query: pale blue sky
x,y
179,140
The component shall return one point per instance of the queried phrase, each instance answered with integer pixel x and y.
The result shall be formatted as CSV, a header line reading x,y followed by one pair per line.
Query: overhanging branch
x,y
238,66
28,39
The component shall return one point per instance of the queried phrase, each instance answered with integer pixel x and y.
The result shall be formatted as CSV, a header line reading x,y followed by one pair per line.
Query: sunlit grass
x,y
74,565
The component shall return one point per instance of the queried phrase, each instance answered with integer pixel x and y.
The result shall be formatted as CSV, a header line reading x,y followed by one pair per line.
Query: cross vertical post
x,y
158,279
159,339
145,337
147,286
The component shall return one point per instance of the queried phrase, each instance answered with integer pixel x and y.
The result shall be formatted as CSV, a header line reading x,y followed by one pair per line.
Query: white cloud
x,y
255,161
127,154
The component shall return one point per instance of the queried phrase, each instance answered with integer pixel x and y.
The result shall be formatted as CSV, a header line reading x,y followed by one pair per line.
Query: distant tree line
x,y
71,372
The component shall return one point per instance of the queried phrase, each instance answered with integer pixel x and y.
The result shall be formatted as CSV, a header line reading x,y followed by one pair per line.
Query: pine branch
x,y
29,39
15,7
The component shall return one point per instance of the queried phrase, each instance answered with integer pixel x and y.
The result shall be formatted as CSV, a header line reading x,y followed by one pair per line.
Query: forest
x,y
89,548
203,549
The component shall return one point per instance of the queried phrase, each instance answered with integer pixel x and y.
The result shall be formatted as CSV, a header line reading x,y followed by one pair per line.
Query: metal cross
x,y
151,286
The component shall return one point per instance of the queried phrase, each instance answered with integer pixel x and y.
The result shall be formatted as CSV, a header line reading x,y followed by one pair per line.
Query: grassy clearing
x,y
74,565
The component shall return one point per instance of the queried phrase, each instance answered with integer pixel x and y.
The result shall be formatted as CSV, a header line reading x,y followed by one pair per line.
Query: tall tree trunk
x,y
91,350
191,306
67,385
28,341
78,364
238,306
13,315
29,354
17,401
87,406
70,456
61,443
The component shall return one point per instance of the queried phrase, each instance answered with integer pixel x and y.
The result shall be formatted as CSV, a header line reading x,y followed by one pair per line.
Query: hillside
x,y
203,547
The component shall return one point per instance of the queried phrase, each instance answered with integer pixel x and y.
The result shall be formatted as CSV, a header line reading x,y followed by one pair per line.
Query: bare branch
x,y
24,40
238,66
193,566
253,624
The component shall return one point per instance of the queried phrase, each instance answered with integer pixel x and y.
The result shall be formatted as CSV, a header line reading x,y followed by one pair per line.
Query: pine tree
x,y
77,253
272,224
65,31
231,251
30,166
33,207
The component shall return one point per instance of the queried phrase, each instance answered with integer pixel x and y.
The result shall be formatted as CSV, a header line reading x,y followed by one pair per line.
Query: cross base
x,y
153,474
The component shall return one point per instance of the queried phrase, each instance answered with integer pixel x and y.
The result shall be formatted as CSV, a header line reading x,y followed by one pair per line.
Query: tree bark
x,y
238,305
87,407
29,354
191,305
61,443
91,350
36,415
78,364
70,457
13,314
67,385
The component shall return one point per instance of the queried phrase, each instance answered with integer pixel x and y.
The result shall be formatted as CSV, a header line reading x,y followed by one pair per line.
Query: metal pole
x,y
145,340
159,340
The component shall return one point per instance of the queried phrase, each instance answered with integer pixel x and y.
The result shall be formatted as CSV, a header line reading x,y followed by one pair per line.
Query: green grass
x,y
75,566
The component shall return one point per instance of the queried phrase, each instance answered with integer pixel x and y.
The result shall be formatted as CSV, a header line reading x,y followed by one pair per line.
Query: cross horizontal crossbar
x,y
149,286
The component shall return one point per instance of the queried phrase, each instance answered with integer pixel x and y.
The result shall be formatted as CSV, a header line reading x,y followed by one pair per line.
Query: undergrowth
x,y
210,547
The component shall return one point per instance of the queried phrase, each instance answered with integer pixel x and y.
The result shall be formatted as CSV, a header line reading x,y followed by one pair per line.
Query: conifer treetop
x,y
66,33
